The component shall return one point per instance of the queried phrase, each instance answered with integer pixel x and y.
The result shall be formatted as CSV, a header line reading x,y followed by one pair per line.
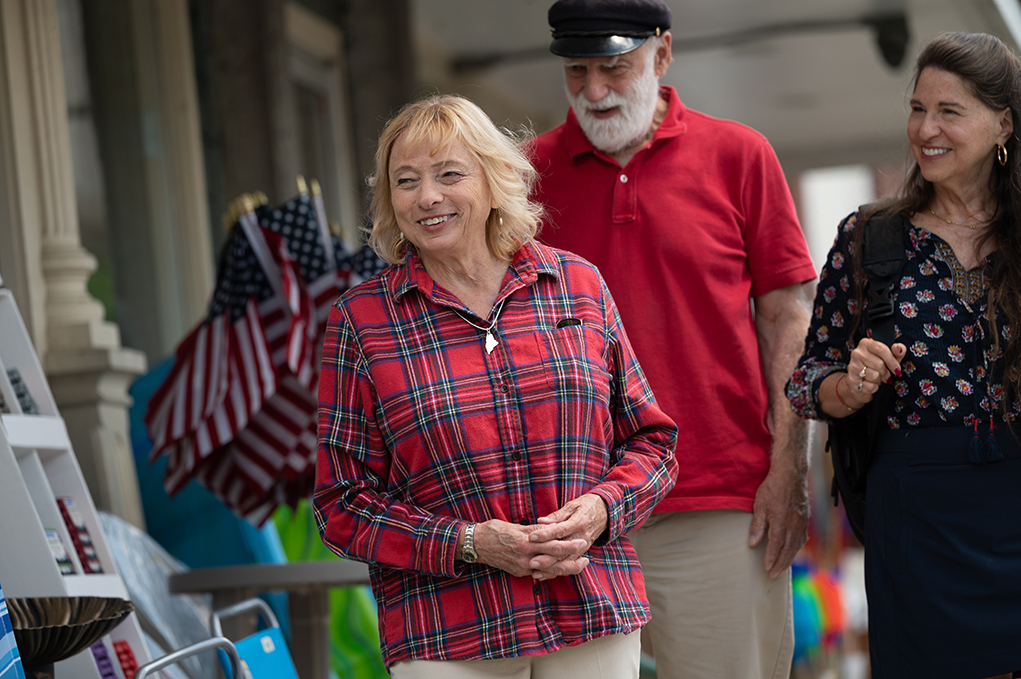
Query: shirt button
x,y
623,179
537,589
516,456
523,522
504,388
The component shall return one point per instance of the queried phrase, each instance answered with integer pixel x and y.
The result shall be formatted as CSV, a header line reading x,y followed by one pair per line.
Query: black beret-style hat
x,y
605,28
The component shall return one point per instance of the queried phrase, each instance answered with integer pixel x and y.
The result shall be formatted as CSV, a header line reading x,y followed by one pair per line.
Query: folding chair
x,y
264,655
216,642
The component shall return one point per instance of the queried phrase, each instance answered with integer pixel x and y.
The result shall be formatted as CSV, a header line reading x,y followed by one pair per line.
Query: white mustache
x,y
635,110
611,100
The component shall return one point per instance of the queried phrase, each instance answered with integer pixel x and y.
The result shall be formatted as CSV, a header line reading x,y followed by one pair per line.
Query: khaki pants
x,y
715,612
615,656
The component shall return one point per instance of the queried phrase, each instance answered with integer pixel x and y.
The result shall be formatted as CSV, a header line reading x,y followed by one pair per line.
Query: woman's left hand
x,y
507,546
582,519
873,364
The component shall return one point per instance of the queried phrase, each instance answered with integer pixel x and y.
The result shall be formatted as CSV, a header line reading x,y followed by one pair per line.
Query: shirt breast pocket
x,y
573,363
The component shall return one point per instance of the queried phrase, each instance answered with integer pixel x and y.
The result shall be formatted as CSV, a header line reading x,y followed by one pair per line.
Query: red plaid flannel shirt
x,y
421,431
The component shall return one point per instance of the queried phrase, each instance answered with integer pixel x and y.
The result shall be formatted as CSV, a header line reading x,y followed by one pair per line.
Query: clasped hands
x,y
553,546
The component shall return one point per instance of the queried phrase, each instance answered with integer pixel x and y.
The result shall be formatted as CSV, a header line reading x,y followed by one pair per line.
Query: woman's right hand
x,y
507,546
872,364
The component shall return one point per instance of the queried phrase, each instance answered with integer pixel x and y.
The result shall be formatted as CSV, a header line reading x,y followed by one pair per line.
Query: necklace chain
x,y
491,341
492,325
950,221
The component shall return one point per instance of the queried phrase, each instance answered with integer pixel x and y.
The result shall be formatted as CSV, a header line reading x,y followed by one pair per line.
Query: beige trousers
x,y
715,612
615,656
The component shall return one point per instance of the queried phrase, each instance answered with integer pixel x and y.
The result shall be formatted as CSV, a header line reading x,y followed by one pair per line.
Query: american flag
x,y
237,412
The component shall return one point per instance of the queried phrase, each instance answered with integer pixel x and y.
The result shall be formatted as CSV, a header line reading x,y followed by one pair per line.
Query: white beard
x,y
636,109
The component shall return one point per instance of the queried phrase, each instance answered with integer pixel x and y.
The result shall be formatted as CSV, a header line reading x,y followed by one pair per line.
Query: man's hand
x,y
781,502
781,510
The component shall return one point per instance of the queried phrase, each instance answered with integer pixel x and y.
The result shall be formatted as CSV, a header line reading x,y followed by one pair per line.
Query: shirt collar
x,y
530,261
533,259
673,125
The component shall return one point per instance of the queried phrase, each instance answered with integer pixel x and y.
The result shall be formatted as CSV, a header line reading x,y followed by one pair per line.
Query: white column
x,y
186,170
146,111
88,370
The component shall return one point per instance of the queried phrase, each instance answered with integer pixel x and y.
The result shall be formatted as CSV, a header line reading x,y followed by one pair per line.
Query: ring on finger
x,y
862,373
859,386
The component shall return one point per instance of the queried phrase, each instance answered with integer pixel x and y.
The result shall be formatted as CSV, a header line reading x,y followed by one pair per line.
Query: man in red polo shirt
x,y
690,220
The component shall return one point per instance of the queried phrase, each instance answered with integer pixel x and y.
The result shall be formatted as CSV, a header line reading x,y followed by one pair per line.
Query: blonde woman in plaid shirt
x,y
487,437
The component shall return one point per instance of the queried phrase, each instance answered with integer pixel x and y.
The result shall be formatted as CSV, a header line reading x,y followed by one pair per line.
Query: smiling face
x,y
953,134
614,98
441,199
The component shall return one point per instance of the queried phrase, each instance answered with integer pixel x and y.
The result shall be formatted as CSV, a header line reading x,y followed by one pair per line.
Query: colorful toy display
x,y
819,616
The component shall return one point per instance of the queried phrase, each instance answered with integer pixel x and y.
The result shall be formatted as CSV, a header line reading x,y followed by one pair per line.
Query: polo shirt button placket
x,y
624,207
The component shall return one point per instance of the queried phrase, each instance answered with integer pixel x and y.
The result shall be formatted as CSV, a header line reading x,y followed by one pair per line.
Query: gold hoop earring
x,y
1001,154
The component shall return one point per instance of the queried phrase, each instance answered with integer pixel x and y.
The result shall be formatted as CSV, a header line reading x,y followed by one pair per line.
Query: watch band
x,y
468,553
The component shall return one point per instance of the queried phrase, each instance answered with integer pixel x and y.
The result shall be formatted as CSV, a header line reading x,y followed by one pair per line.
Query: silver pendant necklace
x,y
491,340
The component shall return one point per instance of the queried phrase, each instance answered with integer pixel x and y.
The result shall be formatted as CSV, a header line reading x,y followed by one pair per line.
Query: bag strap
x,y
883,260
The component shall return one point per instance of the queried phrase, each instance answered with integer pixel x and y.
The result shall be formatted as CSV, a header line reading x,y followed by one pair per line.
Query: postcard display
x,y
51,542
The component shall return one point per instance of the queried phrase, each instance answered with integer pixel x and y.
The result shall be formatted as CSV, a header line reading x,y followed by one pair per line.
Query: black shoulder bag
x,y
852,439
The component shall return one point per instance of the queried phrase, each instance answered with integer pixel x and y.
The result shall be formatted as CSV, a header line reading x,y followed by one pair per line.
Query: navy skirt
x,y
943,557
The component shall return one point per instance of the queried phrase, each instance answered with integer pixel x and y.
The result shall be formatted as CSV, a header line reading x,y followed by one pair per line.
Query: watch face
x,y
469,555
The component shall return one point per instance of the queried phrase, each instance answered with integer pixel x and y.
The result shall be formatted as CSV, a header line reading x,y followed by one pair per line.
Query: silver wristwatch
x,y
468,553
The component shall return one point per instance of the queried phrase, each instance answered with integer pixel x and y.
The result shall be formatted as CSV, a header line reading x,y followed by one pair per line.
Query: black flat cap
x,y
605,28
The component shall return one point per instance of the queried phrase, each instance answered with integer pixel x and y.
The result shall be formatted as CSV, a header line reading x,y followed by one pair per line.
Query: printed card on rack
x,y
103,662
79,535
126,657
59,553
25,400
68,507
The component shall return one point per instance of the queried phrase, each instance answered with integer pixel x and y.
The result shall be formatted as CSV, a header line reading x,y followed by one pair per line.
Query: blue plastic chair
x,y
264,655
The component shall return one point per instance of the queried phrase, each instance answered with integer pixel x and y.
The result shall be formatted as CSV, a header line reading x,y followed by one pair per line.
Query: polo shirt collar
x,y
531,260
672,125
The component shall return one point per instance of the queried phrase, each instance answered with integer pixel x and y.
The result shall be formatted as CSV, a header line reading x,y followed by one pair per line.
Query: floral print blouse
x,y
950,373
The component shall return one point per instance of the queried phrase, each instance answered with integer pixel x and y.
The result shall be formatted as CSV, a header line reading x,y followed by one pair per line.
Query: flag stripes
x,y
237,412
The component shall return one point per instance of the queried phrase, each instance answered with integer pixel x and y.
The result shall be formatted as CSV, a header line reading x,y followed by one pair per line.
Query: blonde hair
x,y
443,120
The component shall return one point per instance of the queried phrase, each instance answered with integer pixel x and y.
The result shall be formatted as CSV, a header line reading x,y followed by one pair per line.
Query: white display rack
x,y
37,466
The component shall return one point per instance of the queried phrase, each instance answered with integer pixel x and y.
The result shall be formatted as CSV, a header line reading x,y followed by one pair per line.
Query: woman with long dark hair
x,y
943,537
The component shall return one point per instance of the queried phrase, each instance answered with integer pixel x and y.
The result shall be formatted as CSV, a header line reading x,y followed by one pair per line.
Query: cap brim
x,y
586,47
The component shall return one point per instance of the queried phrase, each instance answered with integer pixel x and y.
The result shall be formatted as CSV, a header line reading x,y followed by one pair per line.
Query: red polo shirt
x,y
700,221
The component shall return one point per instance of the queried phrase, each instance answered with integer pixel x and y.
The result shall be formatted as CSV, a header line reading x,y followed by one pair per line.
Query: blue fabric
x,y
943,556
10,659
193,526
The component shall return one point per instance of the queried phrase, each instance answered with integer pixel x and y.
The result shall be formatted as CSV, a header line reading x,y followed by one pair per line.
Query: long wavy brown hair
x,y
993,73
